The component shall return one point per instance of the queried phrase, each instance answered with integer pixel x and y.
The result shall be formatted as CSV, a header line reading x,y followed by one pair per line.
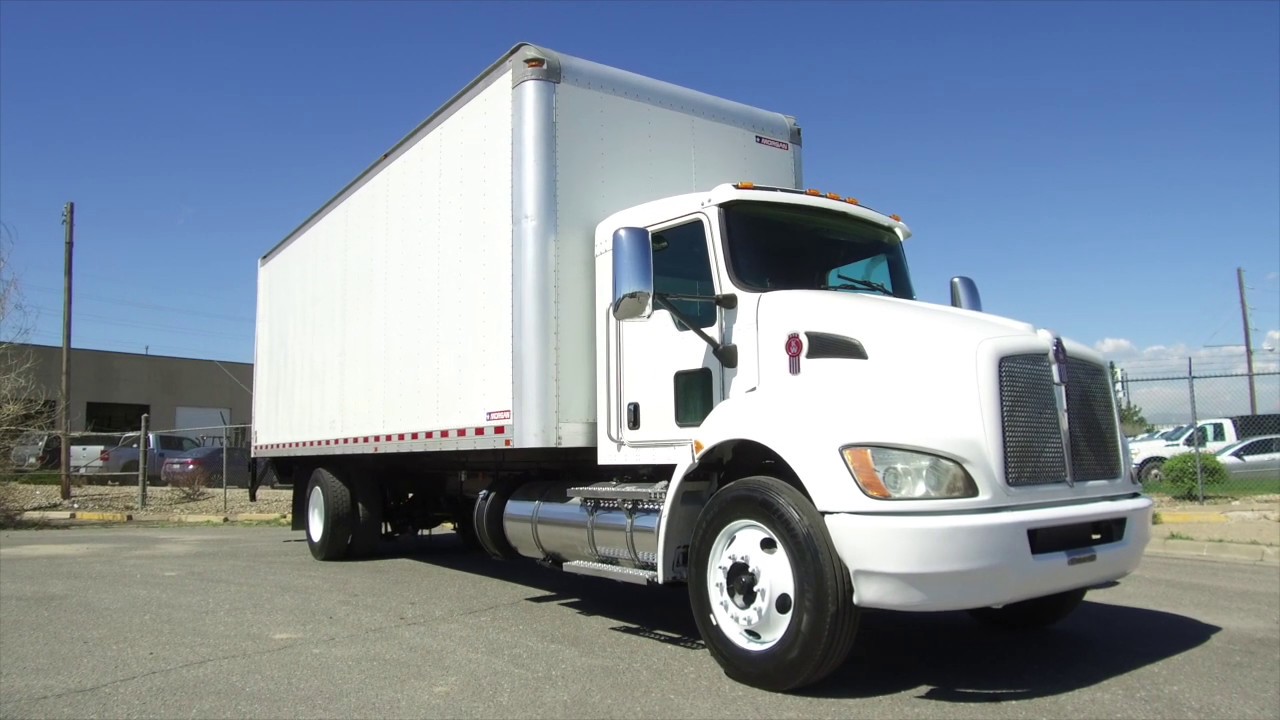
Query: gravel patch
x,y
16,497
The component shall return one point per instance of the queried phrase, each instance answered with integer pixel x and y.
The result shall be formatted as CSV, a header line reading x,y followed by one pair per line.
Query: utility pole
x,y
64,400
1248,342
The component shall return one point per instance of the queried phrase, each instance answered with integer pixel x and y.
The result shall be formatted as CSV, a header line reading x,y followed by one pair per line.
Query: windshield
x,y
771,246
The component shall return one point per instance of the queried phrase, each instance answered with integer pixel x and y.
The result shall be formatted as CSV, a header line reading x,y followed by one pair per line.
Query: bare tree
x,y
23,406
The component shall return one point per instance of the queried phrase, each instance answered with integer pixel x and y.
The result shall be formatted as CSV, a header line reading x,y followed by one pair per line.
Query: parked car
x,y
37,450
1252,459
122,459
205,464
1206,436
89,452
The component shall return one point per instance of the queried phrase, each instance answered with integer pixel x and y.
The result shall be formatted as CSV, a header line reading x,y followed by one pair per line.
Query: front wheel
x,y
772,599
1029,614
1151,472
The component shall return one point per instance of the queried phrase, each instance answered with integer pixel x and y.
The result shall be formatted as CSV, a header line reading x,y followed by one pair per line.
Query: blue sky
x,y
1101,169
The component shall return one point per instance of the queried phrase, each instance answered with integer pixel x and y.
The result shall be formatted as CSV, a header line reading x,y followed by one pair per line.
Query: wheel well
x,y
718,468
737,459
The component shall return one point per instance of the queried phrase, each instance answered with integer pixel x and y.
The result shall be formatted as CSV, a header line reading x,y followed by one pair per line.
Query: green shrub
x,y
1178,475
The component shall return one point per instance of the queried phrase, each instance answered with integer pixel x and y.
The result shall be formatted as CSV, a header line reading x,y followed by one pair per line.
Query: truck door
x,y
669,379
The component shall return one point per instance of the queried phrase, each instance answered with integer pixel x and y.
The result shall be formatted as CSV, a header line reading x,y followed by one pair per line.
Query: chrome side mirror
x,y
964,294
632,274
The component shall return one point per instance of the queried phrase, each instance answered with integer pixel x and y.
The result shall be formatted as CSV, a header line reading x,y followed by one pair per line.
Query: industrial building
x,y
110,391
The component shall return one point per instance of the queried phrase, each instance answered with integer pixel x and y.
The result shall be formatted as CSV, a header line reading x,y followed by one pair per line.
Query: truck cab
x,y
756,327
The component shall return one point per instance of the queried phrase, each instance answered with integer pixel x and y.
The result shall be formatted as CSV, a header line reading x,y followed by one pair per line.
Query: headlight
x,y
892,474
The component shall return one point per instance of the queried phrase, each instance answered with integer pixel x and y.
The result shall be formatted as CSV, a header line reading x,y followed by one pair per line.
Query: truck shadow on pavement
x,y
947,657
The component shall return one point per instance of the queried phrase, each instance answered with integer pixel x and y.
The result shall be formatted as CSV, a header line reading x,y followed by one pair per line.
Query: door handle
x,y
633,416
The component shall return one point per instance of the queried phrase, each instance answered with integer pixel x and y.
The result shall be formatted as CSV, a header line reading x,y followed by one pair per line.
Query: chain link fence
x,y
1198,436
193,470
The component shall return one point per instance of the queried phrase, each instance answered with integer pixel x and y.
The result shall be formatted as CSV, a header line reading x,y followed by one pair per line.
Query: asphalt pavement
x,y
237,621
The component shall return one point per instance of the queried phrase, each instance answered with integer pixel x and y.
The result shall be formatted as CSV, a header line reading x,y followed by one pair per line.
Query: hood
x,y
903,373
887,328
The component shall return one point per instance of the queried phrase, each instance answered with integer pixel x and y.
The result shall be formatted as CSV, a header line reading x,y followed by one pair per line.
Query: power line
x,y
125,322
162,308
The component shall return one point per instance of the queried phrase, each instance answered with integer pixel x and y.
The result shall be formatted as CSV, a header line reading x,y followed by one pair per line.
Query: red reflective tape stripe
x,y
462,432
401,436
415,436
479,431
500,430
444,433
430,435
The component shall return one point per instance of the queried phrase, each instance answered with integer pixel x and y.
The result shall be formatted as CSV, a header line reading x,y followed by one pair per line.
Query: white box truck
x,y
597,320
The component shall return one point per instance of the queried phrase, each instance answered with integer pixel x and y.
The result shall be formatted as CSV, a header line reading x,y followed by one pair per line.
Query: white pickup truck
x,y
1208,436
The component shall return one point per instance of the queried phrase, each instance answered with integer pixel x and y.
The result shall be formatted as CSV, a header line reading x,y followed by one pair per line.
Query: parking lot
x,y
241,622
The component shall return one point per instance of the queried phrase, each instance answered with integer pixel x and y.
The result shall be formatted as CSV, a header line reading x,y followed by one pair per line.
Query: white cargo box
x,y
444,299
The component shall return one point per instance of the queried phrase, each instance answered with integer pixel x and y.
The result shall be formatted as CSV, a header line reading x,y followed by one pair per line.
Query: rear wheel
x,y
1034,613
367,517
329,516
131,479
772,599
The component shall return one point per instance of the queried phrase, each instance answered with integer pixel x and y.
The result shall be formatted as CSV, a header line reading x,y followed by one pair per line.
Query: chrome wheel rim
x,y
315,514
751,585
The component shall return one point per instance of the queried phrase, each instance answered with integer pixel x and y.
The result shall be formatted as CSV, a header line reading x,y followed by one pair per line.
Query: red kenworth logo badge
x,y
794,347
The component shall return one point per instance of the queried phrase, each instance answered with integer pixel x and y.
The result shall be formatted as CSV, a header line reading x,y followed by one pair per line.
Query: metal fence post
x,y
1195,432
225,451
142,462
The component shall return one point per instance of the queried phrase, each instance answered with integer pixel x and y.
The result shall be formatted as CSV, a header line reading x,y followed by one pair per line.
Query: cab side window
x,y
681,267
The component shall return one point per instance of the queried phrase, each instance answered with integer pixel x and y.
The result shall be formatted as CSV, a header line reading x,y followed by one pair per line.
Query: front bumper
x,y
957,562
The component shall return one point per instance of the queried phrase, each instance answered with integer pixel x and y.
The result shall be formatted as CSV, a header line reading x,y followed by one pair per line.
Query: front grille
x,y
1029,415
1095,451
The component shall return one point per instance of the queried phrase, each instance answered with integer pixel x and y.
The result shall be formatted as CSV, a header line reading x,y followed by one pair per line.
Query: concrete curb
x,y
1175,517
1267,554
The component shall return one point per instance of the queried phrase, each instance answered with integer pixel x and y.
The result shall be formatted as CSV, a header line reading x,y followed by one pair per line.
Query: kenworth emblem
x,y
794,347
1058,364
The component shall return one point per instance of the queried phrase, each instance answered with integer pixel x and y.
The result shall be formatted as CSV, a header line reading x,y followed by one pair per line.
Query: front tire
x,y
1151,472
1030,614
772,599
329,516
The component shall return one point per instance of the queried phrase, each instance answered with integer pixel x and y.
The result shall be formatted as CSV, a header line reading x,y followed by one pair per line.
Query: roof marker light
x,y
852,201
745,186
833,196
896,218
813,192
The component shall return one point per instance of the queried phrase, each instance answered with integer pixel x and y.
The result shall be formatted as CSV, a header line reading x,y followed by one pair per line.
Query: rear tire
x,y
367,516
329,516
772,599
1030,614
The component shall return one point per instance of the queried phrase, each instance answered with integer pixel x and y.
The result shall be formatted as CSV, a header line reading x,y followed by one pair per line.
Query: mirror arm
x,y
726,354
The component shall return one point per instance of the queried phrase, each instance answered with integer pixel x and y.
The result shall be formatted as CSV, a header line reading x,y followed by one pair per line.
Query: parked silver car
x,y
1256,458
